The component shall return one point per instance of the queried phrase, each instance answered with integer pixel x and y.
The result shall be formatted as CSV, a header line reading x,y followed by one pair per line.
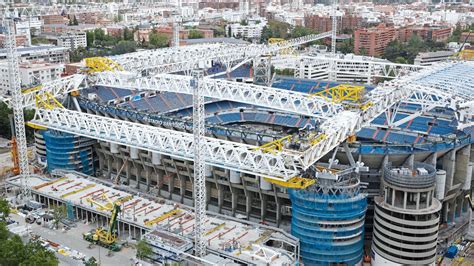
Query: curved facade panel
x,y
70,152
406,217
330,227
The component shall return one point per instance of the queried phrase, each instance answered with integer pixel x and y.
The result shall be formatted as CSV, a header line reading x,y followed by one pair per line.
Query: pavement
x,y
73,240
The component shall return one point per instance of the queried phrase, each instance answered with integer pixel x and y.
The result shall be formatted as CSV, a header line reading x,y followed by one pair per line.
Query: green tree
x,y
244,22
347,46
91,262
128,35
59,213
401,60
300,31
267,33
74,21
39,40
90,37
195,34
99,34
158,40
124,47
14,252
4,209
38,255
143,250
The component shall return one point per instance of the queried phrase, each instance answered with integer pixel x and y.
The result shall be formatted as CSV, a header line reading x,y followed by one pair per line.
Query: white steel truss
x,y
16,103
55,88
279,99
220,153
203,55
73,9
199,165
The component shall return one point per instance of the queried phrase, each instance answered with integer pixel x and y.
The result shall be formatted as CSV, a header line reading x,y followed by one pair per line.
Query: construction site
x,y
211,158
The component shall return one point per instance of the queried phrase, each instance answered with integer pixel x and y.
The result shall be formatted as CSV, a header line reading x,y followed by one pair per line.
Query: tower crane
x,y
17,106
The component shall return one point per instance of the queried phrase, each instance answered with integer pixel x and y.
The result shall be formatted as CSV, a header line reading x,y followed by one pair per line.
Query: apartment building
x,y
21,40
324,23
54,19
373,41
69,40
43,53
251,31
31,74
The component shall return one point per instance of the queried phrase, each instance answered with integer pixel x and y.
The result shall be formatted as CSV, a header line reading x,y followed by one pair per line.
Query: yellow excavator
x,y
106,237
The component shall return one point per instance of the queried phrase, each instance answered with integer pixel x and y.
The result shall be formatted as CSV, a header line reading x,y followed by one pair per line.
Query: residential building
x,y
60,28
373,41
54,19
42,53
324,23
31,74
430,58
70,40
251,31
21,40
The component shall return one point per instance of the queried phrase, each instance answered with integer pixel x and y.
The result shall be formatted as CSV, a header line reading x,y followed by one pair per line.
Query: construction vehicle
x,y
106,238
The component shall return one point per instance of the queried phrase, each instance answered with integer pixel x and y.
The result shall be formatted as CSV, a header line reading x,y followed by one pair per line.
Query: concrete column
x,y
461,165
148,177
220,197
133,153
405,199
265,185
114,148
393,197
248,205
263,205
418,200
449,167
234,202
155,158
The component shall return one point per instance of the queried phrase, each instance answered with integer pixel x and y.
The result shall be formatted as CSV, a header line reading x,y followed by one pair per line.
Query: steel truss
x,y
73,9
219,153
55,88
177,60
279,99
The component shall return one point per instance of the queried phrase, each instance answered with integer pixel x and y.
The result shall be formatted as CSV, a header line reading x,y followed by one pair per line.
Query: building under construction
x,y
338,219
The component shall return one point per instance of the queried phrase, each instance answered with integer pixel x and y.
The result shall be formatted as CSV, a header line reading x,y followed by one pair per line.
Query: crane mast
x,y
17,106
334,27
199,164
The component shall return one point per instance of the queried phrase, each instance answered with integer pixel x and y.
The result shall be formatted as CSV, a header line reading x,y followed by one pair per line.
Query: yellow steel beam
x,y
295,182
162,217
342,93
49,183
48,101
77,191
210,231
101,64
274,146
124,199
100,206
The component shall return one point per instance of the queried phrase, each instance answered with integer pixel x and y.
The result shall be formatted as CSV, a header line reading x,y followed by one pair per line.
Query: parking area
x,y
70,244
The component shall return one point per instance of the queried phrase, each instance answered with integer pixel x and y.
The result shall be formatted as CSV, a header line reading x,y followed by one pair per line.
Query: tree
x,y
143,250
90,37
14,252
244,22
401,60
91,262
347,46
74,21
195,34
59,213
4,209
99,34
158,40
124,47
128,35
39,40
300,31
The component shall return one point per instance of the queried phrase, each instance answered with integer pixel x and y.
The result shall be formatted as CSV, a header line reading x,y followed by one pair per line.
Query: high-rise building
x,y
373,41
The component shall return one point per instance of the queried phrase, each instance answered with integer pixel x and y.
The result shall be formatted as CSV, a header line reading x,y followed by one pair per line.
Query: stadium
x,y
342,220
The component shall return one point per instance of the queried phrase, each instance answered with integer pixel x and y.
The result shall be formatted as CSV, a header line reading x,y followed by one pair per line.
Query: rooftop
x,y
223,235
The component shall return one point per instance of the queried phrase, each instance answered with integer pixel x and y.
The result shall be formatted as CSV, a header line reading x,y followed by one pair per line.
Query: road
x,y
73,240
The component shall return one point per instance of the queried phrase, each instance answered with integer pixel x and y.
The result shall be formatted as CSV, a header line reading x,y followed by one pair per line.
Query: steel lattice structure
x,y
17,106
279,99
199,164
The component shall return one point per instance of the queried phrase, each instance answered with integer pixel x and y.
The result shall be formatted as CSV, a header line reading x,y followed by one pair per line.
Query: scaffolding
x,y
328,218
70,152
